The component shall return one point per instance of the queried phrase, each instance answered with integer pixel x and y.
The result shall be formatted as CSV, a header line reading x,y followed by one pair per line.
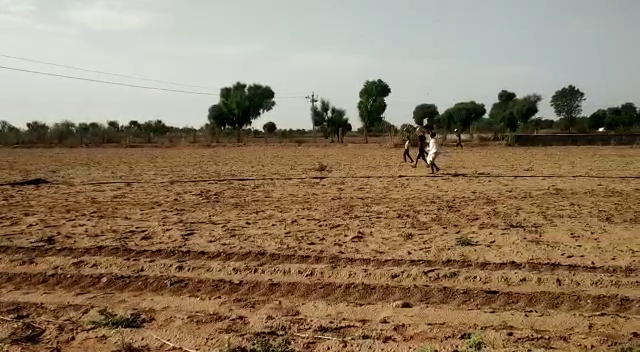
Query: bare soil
x,y
535,248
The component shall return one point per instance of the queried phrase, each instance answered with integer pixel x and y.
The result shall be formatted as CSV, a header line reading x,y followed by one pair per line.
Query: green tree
x,y
218,121
320,115
525,108
372,104
131,130
269,128
509,111
97,132
113,130
9,134
425,113
242,104
539,123
63,131
462,115
38,131
331,120
567,103
597,119
629,116
155,128
82,130
336,121
502,112
113,125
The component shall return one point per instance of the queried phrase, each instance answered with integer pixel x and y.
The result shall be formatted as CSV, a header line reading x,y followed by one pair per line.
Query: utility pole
x,y
313,98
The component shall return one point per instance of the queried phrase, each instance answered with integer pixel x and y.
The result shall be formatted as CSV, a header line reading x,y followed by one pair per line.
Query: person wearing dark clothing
x,y
406,151
422,143
459,143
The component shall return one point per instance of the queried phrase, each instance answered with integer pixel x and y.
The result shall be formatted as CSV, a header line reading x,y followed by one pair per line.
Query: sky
x,y
428,51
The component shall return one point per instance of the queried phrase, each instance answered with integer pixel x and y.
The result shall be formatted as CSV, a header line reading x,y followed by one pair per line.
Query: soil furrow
x,y
355,293
505,280
284,258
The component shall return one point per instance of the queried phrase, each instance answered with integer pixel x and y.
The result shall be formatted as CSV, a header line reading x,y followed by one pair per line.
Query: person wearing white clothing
x,y
433,153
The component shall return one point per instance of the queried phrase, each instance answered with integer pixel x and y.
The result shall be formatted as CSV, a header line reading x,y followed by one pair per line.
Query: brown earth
x,y
534,248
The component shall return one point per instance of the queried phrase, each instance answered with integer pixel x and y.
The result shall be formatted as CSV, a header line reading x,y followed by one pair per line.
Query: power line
x,y
122,84
117,74
103,72
107,82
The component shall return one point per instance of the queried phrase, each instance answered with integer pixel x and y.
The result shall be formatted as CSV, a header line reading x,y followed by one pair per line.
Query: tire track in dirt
x,y
507,280
303,322
283,258
355,293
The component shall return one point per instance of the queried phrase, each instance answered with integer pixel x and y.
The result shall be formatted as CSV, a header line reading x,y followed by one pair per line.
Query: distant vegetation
x,y
241,104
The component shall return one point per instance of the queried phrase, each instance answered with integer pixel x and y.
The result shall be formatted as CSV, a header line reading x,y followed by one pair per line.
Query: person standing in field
x,y
422,141
406,151
459,143
433,154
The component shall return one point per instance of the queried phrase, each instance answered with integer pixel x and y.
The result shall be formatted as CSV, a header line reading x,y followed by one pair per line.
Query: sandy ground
x,y
534,248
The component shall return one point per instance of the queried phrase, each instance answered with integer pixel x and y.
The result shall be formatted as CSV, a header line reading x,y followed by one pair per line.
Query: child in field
x,y
433,154
459,143
406,150
422,141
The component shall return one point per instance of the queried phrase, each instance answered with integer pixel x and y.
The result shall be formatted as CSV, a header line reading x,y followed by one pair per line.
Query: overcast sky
x,y
438,52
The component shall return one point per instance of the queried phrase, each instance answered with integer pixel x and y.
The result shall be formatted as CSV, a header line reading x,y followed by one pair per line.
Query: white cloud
x,y
16,6
19,16
107,16
213,50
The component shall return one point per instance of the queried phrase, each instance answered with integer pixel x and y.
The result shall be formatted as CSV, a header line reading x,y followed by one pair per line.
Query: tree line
x,y
240,105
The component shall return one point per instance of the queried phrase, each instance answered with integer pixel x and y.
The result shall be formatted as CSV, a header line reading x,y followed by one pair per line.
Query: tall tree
x,y
425,113
337,119
629,113
63,131
621,117
525,108
9,134
502,111
597,119
269,128
155,128
509,111
567,103
38,131
218,121
132,128
372,104
97,131
242,104
462,115
113,130
331,120
82,130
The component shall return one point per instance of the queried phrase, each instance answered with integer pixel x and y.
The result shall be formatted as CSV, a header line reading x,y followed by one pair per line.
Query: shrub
x,y
426,349
464,241
264,345
115,321
473,343
321,167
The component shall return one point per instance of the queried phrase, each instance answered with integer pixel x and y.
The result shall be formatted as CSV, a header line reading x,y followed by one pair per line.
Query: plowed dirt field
x,y
525,248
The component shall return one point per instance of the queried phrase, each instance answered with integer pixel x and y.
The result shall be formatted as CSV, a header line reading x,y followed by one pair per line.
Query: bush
x,y
115,321
264,345
464,241
321,167
473,343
